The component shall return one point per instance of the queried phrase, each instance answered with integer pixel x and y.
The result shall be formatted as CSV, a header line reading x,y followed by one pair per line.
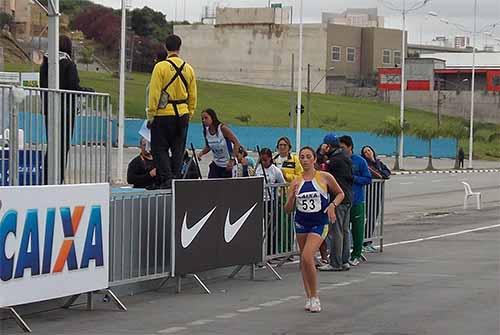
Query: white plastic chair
x,y
469,193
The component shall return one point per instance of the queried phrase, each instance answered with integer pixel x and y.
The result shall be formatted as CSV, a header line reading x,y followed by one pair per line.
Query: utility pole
x,y
308,96
292,91
438,111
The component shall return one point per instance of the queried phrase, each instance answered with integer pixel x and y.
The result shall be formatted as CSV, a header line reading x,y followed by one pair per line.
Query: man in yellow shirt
x,y
171,104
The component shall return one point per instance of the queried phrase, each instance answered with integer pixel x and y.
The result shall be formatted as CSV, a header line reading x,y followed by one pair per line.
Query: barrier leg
x,y
163,282
19,320
235,271
178,286
275,273
115,299
71,301
90,301
252,272
201,283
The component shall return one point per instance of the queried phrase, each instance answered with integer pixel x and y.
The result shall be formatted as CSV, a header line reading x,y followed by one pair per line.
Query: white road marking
x,y
172,330
292,297
441,236
436,181
384,273
249,309
408,183
226,316
271,303
199,322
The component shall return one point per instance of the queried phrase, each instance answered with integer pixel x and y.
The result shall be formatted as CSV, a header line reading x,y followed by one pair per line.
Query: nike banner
x,y
217,223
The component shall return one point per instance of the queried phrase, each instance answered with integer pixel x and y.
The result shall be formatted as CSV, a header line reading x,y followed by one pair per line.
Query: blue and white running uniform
x,y
221,147
312,199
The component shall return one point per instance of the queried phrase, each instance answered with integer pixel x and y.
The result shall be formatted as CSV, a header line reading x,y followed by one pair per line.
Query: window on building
x,y
351,55
397,57
336,54
386,56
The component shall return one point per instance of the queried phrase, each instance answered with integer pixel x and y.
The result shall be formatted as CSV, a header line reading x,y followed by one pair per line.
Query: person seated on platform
x,y
141,172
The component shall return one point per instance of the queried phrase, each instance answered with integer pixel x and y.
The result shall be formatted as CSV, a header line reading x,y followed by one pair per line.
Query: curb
x,y
399,173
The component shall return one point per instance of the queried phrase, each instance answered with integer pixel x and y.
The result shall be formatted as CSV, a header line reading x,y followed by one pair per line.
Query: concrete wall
x,y
228,16
487,105
257,55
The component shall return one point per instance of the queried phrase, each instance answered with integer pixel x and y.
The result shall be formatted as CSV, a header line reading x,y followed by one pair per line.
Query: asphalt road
x,y
438,274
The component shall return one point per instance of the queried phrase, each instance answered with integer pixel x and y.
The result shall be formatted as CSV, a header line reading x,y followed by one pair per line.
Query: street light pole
x,y
403,87
121,99
471,127
299,86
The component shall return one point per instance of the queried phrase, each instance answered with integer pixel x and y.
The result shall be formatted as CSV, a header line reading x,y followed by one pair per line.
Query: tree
x,y
392,127
457,130
427,133
87,54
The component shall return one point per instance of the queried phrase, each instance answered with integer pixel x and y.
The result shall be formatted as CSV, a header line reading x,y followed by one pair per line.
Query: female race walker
x,y
309,195
222,142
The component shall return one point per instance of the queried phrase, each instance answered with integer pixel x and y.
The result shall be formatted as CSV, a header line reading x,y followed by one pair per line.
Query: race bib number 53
x,y
309,202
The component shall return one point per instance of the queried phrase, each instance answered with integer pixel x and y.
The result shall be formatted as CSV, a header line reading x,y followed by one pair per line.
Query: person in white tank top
x,y
221,141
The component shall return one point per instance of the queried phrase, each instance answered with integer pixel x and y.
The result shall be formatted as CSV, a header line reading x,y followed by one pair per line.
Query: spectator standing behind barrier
x,y
461,158
172,103
309,195
272,173
362,177
221,141
272,176
378,169
68,80
340,167
288,162
141,172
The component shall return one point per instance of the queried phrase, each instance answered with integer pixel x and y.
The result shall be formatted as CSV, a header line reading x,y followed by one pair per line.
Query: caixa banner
x,y
53,241
217,223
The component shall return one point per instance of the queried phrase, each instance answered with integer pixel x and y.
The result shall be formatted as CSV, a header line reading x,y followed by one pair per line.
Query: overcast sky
x,y
459,11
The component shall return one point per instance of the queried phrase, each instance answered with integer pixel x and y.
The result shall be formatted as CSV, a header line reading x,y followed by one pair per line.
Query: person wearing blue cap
x,y
339,165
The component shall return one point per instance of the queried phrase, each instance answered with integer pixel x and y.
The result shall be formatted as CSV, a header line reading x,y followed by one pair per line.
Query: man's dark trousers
x,y
168,133
339,237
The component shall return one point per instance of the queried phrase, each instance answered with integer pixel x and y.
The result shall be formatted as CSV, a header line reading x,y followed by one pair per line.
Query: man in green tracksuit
x,y
362,177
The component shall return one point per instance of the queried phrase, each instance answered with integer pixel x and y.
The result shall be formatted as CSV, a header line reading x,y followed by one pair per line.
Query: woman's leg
x,y
313,242
301,240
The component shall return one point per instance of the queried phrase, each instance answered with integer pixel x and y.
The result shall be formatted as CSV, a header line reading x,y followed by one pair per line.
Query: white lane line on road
x,y
249,309
226,316
407,183
199,322
172,330
437,181
271,303
441,236
292,297
388,273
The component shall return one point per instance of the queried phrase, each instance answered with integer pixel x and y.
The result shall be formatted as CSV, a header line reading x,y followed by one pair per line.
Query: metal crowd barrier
x,y
374,212
279,230
78,148
140,236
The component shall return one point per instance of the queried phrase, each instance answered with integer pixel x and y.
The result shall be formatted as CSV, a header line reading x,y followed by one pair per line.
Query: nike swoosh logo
x,y
230,230
189,234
